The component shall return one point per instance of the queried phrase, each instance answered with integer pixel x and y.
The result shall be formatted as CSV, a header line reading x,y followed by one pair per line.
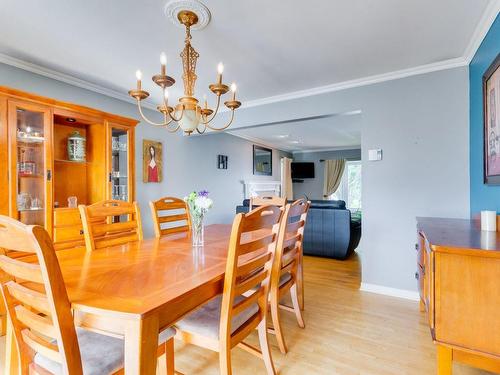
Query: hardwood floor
x,y
347,332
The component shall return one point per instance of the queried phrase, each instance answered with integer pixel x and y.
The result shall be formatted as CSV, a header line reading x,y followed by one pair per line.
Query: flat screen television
x,y
302,170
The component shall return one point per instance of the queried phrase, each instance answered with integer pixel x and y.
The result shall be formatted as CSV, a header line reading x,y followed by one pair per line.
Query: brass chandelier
x,y
187,114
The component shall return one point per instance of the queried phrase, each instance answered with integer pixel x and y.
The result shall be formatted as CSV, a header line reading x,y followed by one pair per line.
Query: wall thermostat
x,y
375,155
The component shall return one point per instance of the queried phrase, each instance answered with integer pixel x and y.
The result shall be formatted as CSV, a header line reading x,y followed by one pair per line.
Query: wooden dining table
x,y
135,290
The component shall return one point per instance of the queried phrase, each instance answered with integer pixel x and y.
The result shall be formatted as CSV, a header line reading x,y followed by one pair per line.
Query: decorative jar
x,y
76,147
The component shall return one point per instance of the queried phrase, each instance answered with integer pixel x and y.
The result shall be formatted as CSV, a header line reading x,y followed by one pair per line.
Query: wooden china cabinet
x,y
36,175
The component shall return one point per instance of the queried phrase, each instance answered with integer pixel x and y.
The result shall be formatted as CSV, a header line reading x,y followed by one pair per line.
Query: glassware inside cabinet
x,y
119,164
31,161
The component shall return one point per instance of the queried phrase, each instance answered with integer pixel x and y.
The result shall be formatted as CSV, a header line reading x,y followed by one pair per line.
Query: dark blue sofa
x,y
330,230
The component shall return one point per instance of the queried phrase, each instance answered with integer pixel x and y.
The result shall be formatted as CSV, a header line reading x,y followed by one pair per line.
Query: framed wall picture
x,y
152,167
262,161
491,103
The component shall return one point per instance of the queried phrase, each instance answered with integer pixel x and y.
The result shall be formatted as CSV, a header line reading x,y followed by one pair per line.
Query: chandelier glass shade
x,y
187,114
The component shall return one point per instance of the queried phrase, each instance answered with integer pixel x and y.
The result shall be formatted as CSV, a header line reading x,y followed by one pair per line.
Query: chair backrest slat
x,y
267,200
36,322
39,345
29,297
101,227
291,241
257,244
20,270
165,221
250,257
254,264
174,230
289,246
246,303
36,300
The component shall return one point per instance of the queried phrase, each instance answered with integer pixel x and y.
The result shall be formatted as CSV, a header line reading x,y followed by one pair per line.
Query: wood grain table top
x,y
137,278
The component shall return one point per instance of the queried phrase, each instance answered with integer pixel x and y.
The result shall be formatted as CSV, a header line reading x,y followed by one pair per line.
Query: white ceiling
x,y
269,47
341,131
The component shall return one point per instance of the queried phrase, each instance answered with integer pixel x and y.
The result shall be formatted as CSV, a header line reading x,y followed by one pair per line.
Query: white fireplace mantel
x,y
262,188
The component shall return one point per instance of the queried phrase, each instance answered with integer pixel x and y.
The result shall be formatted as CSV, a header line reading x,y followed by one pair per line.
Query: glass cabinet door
x,y
30,168
119,176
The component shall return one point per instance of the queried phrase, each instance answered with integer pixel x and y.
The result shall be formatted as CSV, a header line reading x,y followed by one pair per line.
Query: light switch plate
x,y
375,154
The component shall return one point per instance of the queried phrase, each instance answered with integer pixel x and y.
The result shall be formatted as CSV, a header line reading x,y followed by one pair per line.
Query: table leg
x,y
444,360
141,344
11,354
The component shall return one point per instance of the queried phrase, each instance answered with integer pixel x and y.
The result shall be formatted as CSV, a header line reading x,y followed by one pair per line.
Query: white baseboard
x,y
393,292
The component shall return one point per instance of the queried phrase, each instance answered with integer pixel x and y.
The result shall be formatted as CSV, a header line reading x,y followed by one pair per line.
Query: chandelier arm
x,y
225,126
204,129
177,119
173,130
215,112
165,123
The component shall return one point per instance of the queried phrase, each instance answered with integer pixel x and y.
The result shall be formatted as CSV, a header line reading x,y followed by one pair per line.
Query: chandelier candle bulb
x,y
220,70
163,61
138,75
233,89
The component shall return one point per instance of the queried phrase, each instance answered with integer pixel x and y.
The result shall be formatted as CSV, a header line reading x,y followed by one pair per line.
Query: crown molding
x,y
423,69
340,148
489,16
71,80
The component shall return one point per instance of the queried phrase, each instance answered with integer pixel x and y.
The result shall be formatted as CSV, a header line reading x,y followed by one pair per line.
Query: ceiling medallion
x,y
187,114
174,7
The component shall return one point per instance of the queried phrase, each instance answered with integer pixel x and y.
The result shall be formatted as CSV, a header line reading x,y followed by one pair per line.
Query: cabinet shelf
x,y
31,209
30,139
70,161
30,175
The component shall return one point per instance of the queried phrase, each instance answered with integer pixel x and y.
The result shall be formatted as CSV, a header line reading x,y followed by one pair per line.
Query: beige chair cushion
x,y
205,321
100,354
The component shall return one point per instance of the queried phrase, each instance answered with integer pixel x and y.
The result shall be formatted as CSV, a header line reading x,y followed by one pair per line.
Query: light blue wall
x,y
422,125
313,187
189,162
482,197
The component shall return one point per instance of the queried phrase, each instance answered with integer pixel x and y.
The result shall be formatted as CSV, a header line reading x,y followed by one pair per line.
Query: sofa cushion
x,y
317,203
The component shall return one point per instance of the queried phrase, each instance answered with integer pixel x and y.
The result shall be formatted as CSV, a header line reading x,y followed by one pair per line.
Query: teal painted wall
x,y
482,196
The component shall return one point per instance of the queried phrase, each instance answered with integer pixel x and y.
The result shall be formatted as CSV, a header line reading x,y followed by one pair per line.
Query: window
x,y
349,189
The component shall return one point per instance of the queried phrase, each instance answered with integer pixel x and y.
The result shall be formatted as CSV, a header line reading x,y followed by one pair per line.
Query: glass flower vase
x,y
198,231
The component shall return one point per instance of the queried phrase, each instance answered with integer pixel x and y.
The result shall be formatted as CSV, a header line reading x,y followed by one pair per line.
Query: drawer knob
x,y
416,246
417,276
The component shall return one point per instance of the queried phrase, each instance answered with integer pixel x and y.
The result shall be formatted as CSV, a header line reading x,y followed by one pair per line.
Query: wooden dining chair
x,y
40,315
228,319
101,227
287,267
170,215
262,201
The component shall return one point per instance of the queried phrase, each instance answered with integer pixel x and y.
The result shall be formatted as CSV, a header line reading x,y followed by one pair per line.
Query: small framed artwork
x,y
491,126
152,168
262,161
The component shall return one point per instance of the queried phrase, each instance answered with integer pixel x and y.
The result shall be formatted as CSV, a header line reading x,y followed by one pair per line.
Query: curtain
x,y
286,178
333,174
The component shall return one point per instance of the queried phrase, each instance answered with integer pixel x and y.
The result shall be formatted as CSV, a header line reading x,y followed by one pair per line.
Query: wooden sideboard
x,y
459,282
